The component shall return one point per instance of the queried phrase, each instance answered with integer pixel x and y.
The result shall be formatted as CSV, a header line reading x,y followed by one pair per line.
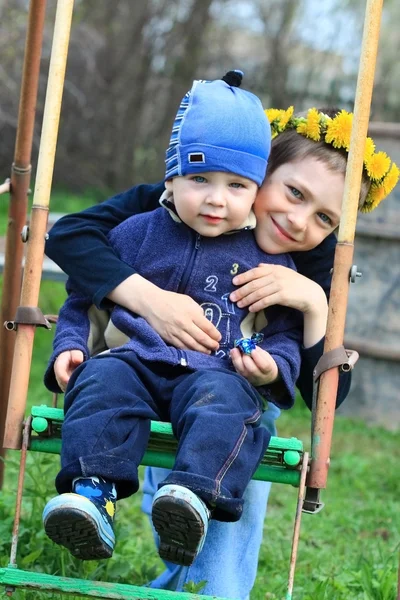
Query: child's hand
x,y
259,368
65,365
267,285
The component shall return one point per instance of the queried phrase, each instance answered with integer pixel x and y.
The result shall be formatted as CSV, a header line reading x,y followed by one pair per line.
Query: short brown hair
x,y
290,146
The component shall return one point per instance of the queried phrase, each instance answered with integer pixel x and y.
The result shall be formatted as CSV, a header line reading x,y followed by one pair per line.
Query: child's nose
x,y
216,197
298,220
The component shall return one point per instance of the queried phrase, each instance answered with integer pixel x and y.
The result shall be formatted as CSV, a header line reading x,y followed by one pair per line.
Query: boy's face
x,y
298,206
213,203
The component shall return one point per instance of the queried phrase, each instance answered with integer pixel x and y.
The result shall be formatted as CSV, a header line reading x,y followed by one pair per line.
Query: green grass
x,y
347,552
350,549
60,202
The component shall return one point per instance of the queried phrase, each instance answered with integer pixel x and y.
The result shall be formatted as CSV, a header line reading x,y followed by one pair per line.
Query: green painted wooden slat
x,y
158,427
53,444
115,591
162,447
153,458
48,411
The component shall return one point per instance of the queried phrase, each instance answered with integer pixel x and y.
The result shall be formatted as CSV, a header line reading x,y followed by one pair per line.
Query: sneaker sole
x,y
78,531
180,528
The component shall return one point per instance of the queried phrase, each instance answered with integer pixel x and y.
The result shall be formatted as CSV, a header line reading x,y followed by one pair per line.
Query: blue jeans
x,y
215,414
229,558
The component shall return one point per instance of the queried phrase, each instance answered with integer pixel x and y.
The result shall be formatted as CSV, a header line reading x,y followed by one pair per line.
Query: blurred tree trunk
x,y
122,69
187,55
278,18
181,69
130,88
385,99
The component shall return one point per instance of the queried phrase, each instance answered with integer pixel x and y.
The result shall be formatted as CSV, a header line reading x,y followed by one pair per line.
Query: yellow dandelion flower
x,y
310,127
272,114
369,148
338,130
391,179
302,126
285,117
375,196
377,165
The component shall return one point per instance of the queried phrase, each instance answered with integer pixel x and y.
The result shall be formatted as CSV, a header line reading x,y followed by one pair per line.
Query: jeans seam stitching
x,y
233,455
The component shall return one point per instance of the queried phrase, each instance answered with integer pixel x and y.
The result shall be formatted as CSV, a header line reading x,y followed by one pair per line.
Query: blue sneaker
x,y
181,519
82,520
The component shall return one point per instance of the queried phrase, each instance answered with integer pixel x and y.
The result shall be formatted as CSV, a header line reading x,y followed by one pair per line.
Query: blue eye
x,y
199,179
325,218
295,192
237,185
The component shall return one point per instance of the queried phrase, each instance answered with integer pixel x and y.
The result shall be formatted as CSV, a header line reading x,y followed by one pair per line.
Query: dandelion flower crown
x,y
380,170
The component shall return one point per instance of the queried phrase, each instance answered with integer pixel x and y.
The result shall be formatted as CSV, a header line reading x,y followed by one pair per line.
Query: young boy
x,y
216,161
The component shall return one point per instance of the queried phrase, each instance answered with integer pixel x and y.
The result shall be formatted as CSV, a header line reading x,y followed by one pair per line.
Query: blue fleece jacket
x,y
175,258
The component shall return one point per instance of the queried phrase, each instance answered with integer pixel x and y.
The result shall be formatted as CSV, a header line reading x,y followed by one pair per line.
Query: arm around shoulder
x,y
78,242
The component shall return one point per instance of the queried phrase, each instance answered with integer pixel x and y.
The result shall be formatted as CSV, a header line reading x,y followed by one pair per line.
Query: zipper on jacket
x,y
189,266
182,358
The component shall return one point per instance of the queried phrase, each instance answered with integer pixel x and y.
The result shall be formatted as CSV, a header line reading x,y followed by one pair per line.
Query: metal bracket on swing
x,y
345,359
312,501
353,274
28,315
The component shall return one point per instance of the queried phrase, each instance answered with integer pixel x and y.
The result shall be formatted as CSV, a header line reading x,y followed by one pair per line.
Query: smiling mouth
x,y
283,232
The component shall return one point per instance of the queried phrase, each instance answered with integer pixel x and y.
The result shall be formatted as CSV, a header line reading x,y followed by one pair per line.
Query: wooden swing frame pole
x,y
19,186
322,434
37,231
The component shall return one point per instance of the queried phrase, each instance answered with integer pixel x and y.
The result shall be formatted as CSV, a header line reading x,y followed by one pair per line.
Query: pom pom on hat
x,y
233,78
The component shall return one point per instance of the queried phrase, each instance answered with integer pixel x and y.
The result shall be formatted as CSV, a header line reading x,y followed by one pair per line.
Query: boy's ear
x,y
168,185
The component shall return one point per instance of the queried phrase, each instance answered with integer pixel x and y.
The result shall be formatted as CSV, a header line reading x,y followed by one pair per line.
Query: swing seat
x,y
282,463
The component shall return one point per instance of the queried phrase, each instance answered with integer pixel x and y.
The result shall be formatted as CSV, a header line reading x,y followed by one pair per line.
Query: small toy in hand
x,y
246,345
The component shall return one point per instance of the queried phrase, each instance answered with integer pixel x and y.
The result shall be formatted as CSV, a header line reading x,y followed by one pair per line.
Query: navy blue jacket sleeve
x,y
316,265
72,332
78,242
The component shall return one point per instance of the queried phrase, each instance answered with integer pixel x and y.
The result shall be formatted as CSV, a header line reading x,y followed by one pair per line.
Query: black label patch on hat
x,y
196,157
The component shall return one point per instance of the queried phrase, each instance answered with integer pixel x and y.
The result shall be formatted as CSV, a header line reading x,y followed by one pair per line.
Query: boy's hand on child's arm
x,y
259,368
65,365
178,319
267,285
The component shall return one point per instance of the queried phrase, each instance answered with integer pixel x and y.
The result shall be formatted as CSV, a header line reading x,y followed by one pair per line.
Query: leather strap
x,y
28,315
338,357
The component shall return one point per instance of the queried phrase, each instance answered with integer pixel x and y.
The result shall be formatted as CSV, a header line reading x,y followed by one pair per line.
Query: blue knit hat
x,y
219,127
